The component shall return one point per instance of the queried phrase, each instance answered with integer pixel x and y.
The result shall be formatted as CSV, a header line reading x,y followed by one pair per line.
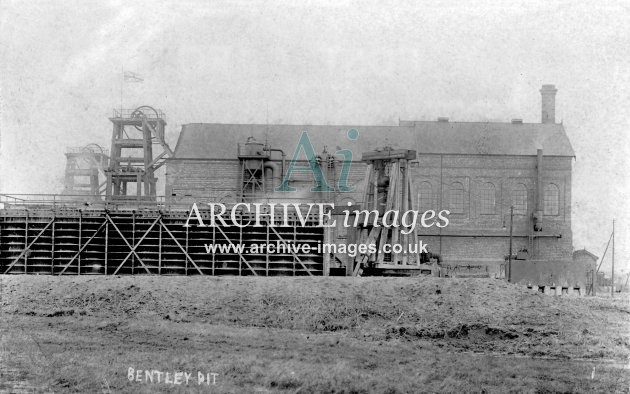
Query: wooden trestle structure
x,y
145,241
388,188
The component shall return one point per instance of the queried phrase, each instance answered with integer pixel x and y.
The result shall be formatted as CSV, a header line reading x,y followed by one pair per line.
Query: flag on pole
x,y
129,76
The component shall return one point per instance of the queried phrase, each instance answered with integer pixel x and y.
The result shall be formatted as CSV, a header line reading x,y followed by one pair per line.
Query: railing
x,y
85,202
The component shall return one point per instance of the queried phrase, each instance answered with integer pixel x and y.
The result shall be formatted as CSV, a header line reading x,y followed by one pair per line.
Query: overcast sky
x,y
336,62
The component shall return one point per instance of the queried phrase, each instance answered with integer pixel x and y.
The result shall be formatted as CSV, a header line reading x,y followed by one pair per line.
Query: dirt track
x,y
314,334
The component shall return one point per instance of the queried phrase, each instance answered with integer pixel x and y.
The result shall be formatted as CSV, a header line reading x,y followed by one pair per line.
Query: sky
x,y
321,62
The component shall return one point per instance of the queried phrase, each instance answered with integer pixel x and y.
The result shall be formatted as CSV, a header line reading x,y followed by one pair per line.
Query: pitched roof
x,y
586,252
219,141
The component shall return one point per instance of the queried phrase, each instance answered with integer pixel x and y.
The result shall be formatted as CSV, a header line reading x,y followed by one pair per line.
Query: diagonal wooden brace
x,y
83,247
133,250
292,252
180,246
239,254
29,245
128,244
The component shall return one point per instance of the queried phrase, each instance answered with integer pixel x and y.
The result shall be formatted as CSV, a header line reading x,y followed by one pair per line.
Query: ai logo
x,y
322,183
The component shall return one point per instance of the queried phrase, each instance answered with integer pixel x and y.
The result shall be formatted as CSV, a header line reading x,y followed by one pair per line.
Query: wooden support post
x,y
240,262
148,155
133,239
416,232
375,203
294,241
391,193
366,186
396,206
326,257
106,257
80,234
26,248
52,248
138,189
371,239
404,197
410,206
267,253
160,249
392,196
214,241
186,260
351,238
380,258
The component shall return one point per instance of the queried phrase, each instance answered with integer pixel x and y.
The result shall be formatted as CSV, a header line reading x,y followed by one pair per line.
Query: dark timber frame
x,y
148,242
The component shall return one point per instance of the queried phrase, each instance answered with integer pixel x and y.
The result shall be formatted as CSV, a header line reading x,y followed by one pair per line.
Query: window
x,y
551,199
456,198
519,199
487,199
425,197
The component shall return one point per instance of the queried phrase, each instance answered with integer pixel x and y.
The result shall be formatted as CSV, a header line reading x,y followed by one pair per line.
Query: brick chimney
x,y
548,93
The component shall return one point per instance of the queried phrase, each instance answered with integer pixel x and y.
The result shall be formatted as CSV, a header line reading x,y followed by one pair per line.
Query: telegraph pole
x,y
612,287
510,255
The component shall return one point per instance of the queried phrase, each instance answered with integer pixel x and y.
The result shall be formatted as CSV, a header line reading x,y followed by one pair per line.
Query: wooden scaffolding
x,y
388,188
149,242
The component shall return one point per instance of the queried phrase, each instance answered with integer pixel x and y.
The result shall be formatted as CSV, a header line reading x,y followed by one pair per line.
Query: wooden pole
x,y
160,249
605,250
133,237
52,248
327,240
612,282
510,255
105,257
186,260
351,238
625,284
26,248
80,247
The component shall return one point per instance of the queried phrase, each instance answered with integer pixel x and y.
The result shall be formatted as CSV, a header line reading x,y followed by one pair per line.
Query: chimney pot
x,y
442,119
517,121
548,95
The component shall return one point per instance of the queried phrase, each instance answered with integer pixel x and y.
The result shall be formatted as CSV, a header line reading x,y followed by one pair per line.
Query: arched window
x,y
519,199
552,199
456,198
425,197
487,201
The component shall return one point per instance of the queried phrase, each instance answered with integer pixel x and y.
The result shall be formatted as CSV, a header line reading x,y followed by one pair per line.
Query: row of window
x,y
486,198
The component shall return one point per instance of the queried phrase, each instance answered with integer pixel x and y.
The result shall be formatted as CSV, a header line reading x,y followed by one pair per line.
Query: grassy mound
x,y
368,319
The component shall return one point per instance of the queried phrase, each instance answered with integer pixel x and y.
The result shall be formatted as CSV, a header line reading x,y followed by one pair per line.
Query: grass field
x,y
303,335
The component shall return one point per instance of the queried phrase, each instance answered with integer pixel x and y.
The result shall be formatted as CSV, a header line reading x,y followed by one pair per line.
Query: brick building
x,y
476,170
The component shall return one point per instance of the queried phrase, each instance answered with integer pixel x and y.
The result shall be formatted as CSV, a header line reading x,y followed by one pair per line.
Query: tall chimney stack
x,y
548,93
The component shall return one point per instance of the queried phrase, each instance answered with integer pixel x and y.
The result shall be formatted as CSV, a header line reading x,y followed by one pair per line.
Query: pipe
x,y
283,159
276,175
540,200
540,192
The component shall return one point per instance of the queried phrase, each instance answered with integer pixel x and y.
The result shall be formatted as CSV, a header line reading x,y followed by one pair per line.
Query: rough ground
x,y
82,334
